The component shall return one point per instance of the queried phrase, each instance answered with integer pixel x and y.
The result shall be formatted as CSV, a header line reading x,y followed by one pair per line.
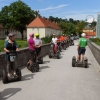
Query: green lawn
x,y
98,43
21,44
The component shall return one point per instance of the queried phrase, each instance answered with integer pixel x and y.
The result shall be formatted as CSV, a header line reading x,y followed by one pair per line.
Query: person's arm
x,y
17,49
35,46
5,45
78,45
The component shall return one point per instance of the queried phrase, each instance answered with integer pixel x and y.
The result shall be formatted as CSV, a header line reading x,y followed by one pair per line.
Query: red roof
x,y
42,22
90,33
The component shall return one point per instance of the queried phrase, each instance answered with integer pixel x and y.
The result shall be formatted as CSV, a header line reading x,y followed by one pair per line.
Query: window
x,y
32,29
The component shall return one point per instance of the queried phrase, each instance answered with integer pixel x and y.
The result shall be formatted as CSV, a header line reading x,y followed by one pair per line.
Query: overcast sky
x,y
76,9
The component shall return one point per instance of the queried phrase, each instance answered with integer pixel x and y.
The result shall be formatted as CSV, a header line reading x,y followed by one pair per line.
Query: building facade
x,y
43,26
98,26
17,33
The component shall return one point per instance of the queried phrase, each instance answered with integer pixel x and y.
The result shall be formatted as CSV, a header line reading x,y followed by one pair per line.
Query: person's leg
x,y
83,53
31,57
79,54
78,57
8,68
39,52
14,68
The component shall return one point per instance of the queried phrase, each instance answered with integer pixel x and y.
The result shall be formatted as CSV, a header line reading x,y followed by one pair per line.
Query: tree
x,y
4,18
79,27
20,15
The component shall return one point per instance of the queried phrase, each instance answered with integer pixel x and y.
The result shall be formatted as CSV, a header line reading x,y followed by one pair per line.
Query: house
x,y
90,31
17,33
43,26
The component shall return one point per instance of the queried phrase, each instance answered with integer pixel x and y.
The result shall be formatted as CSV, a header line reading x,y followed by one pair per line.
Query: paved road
x,y
57,80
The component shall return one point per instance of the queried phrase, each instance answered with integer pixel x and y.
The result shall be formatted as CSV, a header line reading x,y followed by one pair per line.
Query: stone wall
x,y
95,50
23,57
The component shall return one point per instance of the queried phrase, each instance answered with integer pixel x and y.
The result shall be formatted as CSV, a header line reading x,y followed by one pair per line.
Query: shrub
x,y
46,39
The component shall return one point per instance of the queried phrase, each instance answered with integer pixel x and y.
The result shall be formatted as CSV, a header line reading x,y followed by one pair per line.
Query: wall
x,y
41,31
17,33
95,50
23,57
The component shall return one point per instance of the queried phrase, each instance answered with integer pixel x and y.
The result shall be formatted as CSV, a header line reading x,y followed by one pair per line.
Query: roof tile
x,y
42,22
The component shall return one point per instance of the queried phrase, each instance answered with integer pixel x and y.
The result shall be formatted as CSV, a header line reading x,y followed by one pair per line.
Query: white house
x,y
43,26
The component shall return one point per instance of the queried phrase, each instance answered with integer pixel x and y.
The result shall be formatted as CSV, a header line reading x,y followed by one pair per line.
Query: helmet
x,y
37,34
31,34
83,34
11,34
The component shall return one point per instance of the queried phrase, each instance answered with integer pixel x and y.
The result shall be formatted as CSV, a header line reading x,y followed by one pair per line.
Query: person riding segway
x,y
81,52
11,49
38,42
54,52
59,43
32,65
63,42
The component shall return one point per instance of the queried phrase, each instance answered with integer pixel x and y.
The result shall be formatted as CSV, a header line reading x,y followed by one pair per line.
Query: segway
x,y
40,60
79,63
54,54
5,78
35,66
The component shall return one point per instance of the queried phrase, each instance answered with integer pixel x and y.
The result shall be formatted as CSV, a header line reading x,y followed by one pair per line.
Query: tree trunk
x,y
22,34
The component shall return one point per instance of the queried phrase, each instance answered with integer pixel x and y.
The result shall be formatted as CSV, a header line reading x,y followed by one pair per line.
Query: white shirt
x,y
54,40
37,41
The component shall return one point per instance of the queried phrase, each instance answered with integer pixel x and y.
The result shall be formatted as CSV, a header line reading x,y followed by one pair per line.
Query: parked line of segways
x,y
5,78
60,46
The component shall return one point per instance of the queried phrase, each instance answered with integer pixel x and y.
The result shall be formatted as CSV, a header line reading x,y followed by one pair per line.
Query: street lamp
x,y
91,22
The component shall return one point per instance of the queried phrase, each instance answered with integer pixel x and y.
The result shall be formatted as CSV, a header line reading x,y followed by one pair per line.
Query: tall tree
x,y
20,15
4,18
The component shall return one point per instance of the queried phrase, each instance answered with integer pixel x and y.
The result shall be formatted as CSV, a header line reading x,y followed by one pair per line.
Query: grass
x,y
96,41
20,43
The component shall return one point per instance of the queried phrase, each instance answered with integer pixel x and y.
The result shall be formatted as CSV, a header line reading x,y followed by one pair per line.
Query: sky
x,y
76,9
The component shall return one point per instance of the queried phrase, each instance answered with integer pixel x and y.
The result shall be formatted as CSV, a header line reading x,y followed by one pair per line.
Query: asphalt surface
x,y
57,80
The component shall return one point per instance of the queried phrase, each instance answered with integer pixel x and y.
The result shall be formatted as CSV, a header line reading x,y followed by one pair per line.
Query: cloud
x,y
51,8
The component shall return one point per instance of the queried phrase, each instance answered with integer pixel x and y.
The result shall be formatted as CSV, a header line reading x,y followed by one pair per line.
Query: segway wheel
x,y
73,61
19,74
85,64
50,56
4,77
35,67
58,55
41,60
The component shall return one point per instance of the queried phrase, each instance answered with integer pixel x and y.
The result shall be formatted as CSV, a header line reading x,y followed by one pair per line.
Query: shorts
x,y
81,51
32,55
38,50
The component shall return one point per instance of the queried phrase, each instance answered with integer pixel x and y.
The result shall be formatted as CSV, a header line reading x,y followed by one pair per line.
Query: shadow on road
x,y
7,93
45,62
27,77
43,67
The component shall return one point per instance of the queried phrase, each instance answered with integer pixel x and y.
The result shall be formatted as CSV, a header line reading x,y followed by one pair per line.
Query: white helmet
x,y
83,34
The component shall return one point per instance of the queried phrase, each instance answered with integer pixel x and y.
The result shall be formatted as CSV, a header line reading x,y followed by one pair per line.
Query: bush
x,y
96,40
46,39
